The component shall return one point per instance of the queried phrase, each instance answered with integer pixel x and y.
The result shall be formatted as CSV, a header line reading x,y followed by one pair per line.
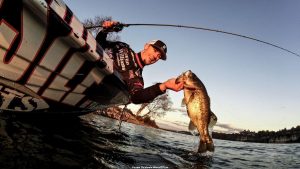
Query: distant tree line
x,y
282,136
145,115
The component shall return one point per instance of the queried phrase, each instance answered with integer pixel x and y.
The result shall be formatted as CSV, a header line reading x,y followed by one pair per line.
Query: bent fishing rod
x,y
120,26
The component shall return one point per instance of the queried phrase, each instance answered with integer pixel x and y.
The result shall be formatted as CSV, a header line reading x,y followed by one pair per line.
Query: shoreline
x,y
283,136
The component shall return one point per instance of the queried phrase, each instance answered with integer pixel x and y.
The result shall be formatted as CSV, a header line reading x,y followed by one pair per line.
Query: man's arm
x,y
150,93
172,85
101,38
107,26
146,95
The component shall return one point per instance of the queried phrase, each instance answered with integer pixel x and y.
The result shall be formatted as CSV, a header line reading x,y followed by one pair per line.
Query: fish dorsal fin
x,y
192,126
213,120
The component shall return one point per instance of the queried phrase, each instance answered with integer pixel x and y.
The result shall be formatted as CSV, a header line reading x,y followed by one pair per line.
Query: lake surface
x,y
93,141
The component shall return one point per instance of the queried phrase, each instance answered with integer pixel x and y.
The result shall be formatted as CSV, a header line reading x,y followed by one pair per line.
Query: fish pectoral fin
x,y
192,126
183,103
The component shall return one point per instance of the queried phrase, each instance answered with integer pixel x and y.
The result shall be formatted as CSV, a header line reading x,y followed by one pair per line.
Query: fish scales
x,y
198,108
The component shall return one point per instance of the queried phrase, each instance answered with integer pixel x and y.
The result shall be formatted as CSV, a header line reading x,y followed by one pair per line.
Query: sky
x,y
251,85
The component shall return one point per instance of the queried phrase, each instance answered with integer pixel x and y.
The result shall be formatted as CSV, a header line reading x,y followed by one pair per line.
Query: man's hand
x,y
171,84
112,26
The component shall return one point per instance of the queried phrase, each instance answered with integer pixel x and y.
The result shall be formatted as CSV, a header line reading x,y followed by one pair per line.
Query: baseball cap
x,y
161,46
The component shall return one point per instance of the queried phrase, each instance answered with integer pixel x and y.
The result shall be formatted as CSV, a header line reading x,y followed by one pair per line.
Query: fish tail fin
x,y
210,147
205,146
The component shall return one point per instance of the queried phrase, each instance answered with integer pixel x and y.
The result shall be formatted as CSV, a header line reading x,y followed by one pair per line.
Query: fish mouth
x,y
183,76
179,79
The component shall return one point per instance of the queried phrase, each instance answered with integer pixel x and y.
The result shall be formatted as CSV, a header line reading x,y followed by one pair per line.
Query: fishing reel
x,y
116,28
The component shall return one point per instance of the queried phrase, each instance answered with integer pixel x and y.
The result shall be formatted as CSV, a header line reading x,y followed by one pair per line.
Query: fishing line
x,y
121,117
121,25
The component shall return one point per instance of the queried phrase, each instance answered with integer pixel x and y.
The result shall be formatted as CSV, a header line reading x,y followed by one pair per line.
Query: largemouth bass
x,y
198,108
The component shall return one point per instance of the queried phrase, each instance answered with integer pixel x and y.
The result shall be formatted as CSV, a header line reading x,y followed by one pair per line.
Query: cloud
x,y
222,127
177,126
181,123
183,109
219,127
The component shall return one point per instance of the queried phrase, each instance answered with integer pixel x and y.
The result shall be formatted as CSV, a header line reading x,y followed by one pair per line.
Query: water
x,y
93,141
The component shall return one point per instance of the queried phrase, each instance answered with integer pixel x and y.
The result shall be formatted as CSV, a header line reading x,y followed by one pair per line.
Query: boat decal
x,y
13,100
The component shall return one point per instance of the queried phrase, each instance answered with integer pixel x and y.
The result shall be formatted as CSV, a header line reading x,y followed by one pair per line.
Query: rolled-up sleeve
x,y
146,95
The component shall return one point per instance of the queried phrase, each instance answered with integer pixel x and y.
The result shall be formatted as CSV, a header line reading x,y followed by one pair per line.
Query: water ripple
x,y
93,142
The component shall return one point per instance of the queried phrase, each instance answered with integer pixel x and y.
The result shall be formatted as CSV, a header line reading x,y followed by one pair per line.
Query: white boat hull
x,y
50,63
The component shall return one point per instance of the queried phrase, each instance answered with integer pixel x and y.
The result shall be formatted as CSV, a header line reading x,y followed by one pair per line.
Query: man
x,y
131,64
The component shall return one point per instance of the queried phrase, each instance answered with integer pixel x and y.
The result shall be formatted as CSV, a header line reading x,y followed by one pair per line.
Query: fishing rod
x,y
120,26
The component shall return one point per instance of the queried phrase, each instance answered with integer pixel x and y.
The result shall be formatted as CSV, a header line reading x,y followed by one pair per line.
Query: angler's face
x,y
150,54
